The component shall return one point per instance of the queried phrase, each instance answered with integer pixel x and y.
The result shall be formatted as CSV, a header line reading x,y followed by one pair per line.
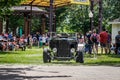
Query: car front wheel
x,y
46,56
79,57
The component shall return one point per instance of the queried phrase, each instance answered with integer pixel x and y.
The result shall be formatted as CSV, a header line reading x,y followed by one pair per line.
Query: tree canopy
x,y
71,18
5,6
75,17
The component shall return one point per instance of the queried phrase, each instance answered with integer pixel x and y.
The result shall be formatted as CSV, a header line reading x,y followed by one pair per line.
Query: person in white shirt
x,y
43,40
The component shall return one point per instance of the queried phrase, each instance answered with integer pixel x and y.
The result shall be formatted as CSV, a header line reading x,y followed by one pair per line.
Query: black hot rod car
x,y
63,47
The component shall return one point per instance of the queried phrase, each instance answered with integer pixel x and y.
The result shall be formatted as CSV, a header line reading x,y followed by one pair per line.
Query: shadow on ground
x,y
20,74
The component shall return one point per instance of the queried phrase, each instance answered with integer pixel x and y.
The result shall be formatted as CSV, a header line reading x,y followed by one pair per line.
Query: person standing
x,y
37,36
109,42
80,37
117,42
44,40
89,42
95,40
103,41
40,41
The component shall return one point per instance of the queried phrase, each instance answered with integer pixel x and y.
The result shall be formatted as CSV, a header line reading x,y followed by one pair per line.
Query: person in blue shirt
x,y
117,42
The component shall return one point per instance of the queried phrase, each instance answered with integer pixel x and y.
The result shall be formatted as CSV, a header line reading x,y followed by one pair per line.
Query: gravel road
x,y
59,72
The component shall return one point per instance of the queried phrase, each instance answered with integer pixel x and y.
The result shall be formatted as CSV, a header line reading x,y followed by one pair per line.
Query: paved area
x,y
37,72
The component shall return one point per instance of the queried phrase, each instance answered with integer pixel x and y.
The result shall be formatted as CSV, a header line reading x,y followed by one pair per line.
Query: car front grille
x,y
63,49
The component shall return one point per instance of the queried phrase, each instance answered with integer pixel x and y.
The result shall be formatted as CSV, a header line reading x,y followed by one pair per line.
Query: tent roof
x,y
116,21
56,3
27,9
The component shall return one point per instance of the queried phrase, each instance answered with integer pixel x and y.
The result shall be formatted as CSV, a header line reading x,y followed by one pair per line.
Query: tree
x,y
14,22
5,6
5,10
114,7
75,17
110,12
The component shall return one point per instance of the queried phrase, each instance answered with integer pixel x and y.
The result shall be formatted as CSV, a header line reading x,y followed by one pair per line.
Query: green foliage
x,y
15,21
5,6
36,24
18,21
75,17
72,18
110,12
60,19
114,7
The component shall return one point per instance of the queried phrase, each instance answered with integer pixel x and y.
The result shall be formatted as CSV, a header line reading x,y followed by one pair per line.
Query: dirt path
x,y
36,72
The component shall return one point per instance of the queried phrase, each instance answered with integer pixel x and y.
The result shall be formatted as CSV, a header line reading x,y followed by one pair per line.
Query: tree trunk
x,y
7,24
1,26
51,15
43,26
100,15
92,10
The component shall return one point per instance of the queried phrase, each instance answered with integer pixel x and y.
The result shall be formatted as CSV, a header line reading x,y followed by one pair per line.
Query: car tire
x,y
79,57
46,56
118,51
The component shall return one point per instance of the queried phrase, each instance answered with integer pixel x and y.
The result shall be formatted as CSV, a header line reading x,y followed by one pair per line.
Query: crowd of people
x,y
11,42
93,40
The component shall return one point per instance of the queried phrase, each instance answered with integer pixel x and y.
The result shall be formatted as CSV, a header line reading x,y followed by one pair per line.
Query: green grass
x,y
34,56
30,56
110,59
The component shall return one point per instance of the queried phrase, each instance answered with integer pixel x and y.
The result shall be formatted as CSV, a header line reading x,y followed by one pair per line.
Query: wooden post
x,y
43,25
51,15
26,24
100,15
7,24
54,20
1,26
91,18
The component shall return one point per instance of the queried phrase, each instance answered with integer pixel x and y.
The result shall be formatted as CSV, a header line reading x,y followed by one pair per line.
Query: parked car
x,y
63,47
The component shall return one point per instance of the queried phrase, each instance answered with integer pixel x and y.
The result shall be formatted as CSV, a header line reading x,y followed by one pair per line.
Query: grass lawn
x,y
30,56
34,56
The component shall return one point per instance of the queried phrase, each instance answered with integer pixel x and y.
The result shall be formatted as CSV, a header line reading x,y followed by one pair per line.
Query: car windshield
x,y
63,35
72,35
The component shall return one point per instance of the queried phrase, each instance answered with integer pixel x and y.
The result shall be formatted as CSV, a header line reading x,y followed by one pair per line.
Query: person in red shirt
x,y
103,41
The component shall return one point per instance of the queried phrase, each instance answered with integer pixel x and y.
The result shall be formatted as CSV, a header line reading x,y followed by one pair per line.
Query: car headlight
x,y
54,50
72,50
